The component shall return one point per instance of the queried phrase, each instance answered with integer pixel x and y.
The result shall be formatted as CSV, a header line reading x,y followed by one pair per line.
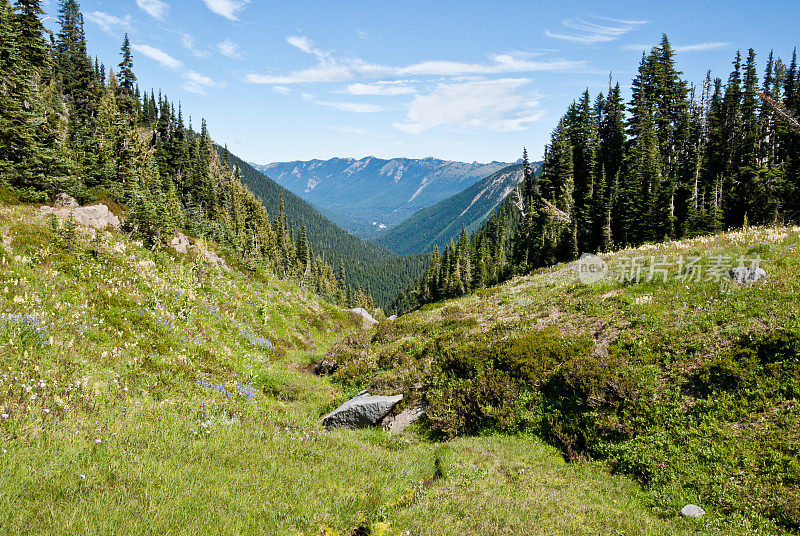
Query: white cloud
x,y
350,130
382,87
109,23
190,44
198,83
589,33
700,47
155,8
318,73
229,9
158,55
696,47
230,49
331,69
283,90
500,105
356,107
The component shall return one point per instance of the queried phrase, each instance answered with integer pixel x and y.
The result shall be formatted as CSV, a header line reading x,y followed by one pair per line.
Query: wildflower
x,y
98,441
4,415
82,477
47,410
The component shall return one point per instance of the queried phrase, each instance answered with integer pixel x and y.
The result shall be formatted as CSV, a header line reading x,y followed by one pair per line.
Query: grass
x,y
104,427
729,445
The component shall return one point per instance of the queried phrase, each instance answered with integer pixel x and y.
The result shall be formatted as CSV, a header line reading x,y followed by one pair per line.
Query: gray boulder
x,y
361,411
391,318
212,258
367,320
747,274
181,244
692,510
401,421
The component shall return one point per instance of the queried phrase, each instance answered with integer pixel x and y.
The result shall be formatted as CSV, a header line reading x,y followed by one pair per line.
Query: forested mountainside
x,y
69,124
376,192
677,161
435,226
367,266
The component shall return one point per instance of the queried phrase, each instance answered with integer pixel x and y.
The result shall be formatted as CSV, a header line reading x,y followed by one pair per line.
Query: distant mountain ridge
x,y
438,224
374,193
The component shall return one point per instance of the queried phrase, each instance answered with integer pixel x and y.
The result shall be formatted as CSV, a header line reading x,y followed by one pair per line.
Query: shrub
x,y
483,385
581,402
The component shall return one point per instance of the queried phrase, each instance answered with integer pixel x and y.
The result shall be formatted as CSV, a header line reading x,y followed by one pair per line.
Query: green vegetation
x,y
69,126
689,386
675,162
113,416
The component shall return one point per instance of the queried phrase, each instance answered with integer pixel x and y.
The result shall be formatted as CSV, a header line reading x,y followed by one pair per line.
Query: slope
x,y
138,396
366,264
438,224
375,192
683,379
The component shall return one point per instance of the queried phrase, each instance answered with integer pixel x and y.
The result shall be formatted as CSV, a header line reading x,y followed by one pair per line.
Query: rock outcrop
x,y
361,411
97,216
182,245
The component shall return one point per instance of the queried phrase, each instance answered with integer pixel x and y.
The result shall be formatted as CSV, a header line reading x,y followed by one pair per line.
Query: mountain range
x,y
371,195
438,224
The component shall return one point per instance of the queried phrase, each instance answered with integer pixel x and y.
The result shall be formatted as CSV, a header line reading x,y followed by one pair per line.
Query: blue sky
x,y
471,81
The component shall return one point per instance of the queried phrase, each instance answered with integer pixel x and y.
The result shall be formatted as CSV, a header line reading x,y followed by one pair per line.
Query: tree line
x,y
67,124
677,160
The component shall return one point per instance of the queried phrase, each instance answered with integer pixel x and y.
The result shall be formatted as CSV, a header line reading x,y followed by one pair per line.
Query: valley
x,y
376,194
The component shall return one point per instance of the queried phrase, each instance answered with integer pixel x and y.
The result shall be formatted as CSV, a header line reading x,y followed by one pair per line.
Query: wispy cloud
x,y
332,69
597,30
109,23
198,83
230,49
155,8
381,87
190,44
350,130
283,90
229,9
356,107
164,59
697,47
701,47
501,105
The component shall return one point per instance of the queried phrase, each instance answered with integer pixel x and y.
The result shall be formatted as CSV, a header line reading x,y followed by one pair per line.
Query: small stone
x,y
367,320
398,423
692,510
745,274
181,243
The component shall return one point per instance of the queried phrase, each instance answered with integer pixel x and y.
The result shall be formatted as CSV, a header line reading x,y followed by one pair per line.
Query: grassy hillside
x,y
437,225
114,416
690,387
365,263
